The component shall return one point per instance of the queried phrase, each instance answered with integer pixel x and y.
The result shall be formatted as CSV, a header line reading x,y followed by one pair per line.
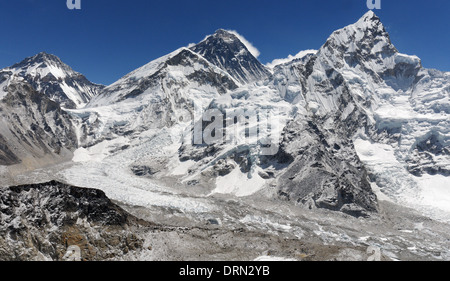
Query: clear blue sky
x,y
106,39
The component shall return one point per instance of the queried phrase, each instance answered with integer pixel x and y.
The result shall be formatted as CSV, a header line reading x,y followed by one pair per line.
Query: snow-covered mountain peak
x,y
366,32
224,35
58,81
42,65
369,17
369,23
40,57
233,53
366,47
221,42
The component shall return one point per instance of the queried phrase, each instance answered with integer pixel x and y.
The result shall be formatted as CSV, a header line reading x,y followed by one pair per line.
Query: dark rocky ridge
x,y
43,220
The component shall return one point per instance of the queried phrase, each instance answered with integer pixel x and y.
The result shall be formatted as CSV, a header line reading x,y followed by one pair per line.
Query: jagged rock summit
x,y
225,50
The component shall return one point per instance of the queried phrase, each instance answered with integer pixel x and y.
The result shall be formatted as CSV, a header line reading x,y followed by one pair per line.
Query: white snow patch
x,y
271,258
435,191
99,151
2,92
251,219
81,155
290,58
402,58
374,152
239,183
182,168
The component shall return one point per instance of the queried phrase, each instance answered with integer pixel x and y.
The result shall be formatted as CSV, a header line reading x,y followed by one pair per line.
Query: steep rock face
x,y
358,86
226,51
41,222
32,126
323,169
47,74
7,157
288,78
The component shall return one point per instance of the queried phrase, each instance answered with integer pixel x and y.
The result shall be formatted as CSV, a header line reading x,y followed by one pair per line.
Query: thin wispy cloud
x,y
252,49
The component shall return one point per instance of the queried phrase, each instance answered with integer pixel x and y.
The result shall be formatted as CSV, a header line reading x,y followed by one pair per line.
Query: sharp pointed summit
x,y
368,29
229,52
38,58
369,16
365,42
370,22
